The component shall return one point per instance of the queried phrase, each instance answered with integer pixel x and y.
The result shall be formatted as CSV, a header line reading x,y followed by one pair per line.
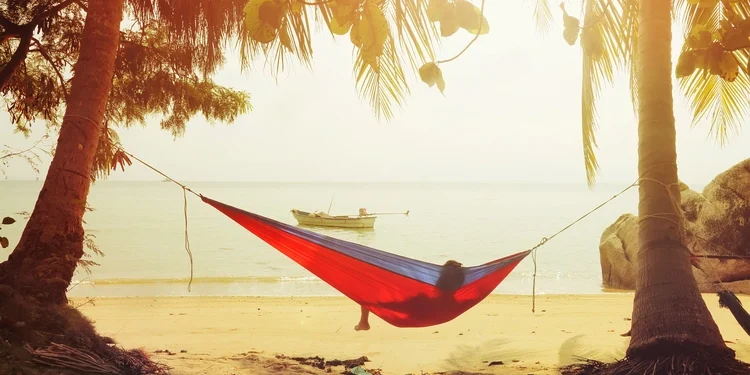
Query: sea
x,y
140,228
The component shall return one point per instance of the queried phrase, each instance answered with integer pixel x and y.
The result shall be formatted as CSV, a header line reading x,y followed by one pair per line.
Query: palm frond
x,y
293,42
385,86
416,35
543,16
724,103
607,40
629,29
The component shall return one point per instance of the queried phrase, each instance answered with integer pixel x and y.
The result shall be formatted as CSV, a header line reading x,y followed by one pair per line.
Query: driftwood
x,y
63,356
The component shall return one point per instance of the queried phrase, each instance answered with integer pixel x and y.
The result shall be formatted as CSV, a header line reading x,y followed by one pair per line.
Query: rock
x,y
616,251
717,222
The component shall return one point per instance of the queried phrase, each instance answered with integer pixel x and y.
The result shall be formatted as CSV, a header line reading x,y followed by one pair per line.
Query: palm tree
x,y
672,329
52,242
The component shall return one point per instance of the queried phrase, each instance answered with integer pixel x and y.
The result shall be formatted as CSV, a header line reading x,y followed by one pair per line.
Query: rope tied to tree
x,y
185,190
544,240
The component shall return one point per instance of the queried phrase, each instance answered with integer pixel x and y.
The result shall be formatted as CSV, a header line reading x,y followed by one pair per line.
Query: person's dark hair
x,y
451,277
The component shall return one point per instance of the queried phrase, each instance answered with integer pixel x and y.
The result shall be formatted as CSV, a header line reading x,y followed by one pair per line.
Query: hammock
x,y
399,290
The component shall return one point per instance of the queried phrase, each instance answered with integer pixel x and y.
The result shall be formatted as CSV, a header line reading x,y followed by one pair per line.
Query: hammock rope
x,y
185,190
533,250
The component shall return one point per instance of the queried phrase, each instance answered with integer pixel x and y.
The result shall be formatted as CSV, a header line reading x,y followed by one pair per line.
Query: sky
x,y
510,113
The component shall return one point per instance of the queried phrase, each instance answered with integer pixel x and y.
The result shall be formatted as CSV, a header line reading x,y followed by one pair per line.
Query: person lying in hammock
x,y
451,278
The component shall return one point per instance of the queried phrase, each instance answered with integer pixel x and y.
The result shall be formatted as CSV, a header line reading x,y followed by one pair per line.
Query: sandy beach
x,y
244,335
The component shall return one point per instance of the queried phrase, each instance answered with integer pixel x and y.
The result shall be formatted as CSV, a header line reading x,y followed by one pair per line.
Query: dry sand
x,y
242,335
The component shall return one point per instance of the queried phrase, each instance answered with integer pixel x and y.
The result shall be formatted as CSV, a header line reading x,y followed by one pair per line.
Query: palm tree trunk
x,y
669,314
43,262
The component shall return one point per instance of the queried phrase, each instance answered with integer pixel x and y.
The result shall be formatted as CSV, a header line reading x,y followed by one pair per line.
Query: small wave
x,y
201,280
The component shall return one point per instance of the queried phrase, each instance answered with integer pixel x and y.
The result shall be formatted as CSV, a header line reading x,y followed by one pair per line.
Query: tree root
x,y
670,365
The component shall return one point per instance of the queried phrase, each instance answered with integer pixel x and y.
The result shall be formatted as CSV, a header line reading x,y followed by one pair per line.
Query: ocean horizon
x,y
140,227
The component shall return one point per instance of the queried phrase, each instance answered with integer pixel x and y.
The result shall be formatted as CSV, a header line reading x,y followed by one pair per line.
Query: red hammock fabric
x,y
399,290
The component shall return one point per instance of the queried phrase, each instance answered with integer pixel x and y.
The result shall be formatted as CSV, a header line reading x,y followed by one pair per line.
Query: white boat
x,y
322,219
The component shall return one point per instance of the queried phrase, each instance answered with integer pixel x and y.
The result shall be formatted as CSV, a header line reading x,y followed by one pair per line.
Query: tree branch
x,y
25,32
52,63
80,4
51,11
21,152
10,29
18,57
7,24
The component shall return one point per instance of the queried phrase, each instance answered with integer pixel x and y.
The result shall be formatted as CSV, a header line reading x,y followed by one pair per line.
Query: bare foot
x,y
362,327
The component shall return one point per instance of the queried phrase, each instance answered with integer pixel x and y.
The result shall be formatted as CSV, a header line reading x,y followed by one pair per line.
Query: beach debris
x,y
321,363
359,370
168,352
515,360
496,363
63,356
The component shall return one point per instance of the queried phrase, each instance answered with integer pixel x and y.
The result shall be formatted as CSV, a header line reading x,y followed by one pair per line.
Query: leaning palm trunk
x,y
668,308
43,262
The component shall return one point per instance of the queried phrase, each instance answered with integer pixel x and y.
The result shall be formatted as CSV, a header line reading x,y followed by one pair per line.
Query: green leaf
x,y
571,26
686,64
700,37
435,9
570,35
469,17
449,22
431,74
592,43
338,28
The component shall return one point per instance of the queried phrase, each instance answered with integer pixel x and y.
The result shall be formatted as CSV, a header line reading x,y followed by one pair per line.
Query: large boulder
x,y
717,222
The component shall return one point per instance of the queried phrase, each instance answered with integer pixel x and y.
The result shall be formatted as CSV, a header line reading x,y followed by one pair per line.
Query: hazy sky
x,y
511,112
